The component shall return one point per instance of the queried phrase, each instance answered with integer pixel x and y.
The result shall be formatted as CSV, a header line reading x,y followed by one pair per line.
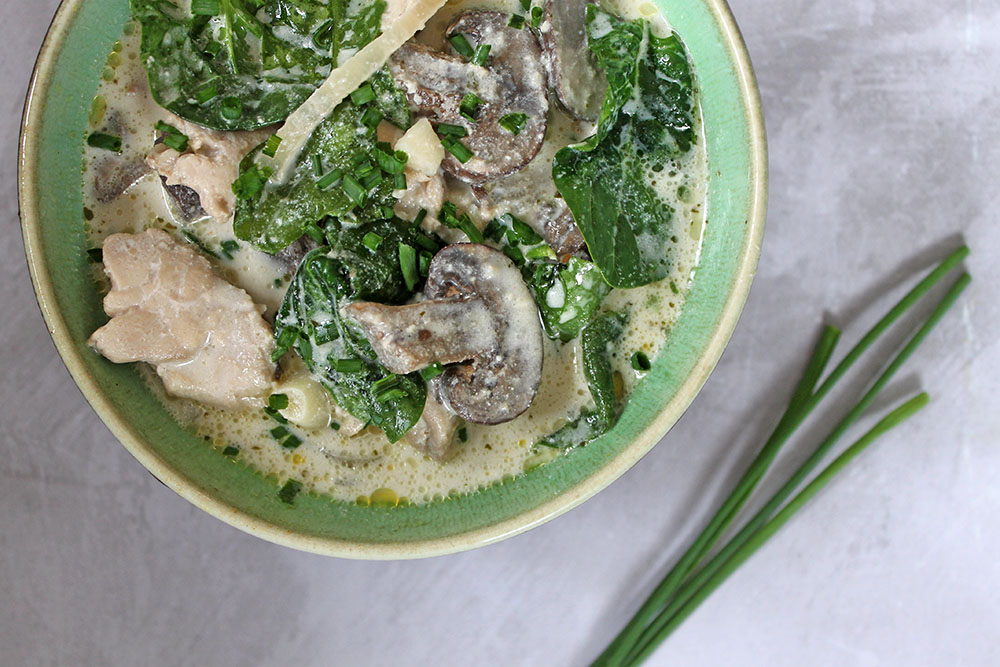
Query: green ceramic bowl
x,y
53,130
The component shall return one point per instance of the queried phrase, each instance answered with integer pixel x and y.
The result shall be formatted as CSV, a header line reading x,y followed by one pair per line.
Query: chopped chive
x,y
371,117
673,287
107,142
364,170
388,212
420,217
425,263
399,182
335,426
205,7
199,244
317,166
288,492
541,252
251,182
231,108
179,142
363,95
212,48
469,105
520,231
392,163
452,130
231,451
526,5
348,365
481,54
427,243
640,362
314,232
408,265
516,22
279,432
372,241
371,181
387,388
277,401
432,371
494,230
228,247
470,229
513,122
333,178
463,434
458,149
271,147
515,254
461,44
275,415
291,442
536,17
206,93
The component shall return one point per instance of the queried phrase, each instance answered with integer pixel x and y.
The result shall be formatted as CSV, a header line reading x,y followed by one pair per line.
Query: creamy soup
x,y
122,195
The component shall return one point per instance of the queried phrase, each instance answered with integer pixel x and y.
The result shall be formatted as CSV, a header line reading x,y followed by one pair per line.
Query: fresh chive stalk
x,y
481,55
458,149
461,44
408,265
708,584
803,401
432,371
451,130
513,122
271,146
363,95
469,106
205,7
516,22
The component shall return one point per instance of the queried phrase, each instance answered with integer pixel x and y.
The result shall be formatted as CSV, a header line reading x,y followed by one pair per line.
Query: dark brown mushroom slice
x,y
579,83
185,202
408,338
511,81
500,385
114,175
562,233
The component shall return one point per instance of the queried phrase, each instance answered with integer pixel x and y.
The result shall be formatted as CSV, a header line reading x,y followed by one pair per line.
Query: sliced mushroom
x,y
573,72
114,175
511,81
497,386
185,202
434,432
408,338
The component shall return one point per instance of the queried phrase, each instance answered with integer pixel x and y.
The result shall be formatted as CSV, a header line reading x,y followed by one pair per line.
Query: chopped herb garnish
x,y
526,5
513,122
108,142
251,182
463,434
335,426
289,491
275,415
277,401
372,241
408,265
178,142
291,442
354,190
541,252
363,95
279,432
432,371
317,166
231,451
673,287
425,263
398,183
536,17
314,232
199,243
420,217
458,149
348,365
228,247
333,178
451,130
371,117
469,105
231,108
371,180
271,146
393,163
481,54
206,94
640,362
461,44
205,7
516,22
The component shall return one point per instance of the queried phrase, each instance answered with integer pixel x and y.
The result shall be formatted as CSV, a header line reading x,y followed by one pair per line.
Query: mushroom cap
x,y
500,385
573,73
513,80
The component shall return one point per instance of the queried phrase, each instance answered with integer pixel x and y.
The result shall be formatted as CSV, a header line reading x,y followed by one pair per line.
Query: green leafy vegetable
x,y
288,492
245,64
272,217
309,321
568,296
646,121
596,340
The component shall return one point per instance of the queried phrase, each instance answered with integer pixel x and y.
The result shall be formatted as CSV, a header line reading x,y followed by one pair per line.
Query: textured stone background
x,y
884,127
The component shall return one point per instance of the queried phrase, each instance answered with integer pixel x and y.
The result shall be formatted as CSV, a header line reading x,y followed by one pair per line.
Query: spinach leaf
x,y
596,340
328,180
338,353
252,63
568,296
647,119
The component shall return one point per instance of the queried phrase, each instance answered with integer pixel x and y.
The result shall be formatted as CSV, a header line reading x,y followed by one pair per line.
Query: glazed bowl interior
x,y
65,80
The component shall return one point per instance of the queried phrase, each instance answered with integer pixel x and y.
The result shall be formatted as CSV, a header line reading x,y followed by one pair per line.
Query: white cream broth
x,y
366,468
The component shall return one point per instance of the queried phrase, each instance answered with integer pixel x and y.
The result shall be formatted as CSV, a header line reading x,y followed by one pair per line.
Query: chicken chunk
x,y
208,166
205,337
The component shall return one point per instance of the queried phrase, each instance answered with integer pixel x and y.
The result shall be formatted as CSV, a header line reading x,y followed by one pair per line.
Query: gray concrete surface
x,y
884,124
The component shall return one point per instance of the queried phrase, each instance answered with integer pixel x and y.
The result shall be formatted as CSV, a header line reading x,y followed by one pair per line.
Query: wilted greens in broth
x,y
462,274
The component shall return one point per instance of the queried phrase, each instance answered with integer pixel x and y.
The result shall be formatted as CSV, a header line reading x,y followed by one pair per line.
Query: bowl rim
x,y
748,257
